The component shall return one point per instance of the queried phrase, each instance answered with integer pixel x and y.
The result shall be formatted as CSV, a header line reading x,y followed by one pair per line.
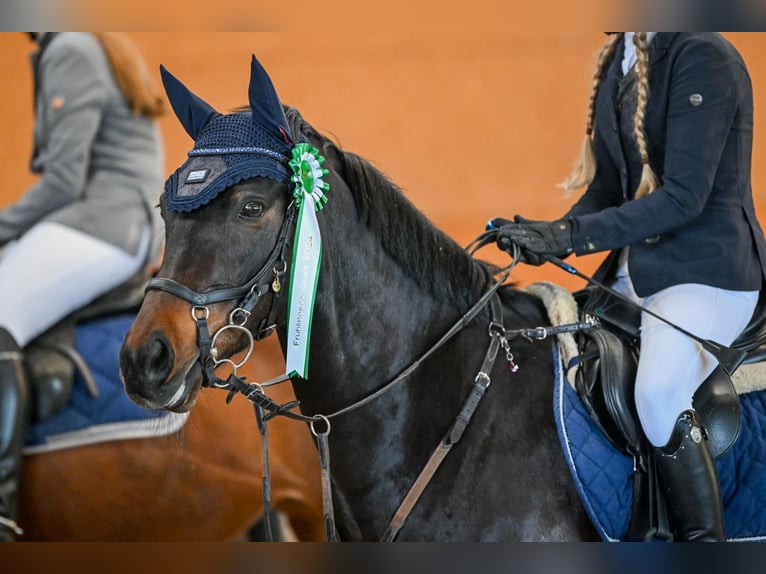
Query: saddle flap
x,y
605,382
719,409
753,339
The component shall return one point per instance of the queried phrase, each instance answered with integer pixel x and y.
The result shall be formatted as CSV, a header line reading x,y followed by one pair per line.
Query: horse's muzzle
x,y
145,368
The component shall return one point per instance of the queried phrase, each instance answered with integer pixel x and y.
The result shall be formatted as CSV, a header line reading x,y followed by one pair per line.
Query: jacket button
x,y
652,240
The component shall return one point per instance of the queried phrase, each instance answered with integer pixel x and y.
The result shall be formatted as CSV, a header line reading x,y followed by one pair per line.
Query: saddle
x,y
52,359
605,380
753,339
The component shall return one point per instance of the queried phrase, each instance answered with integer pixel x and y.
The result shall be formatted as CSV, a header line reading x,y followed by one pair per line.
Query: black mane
x,y
434,260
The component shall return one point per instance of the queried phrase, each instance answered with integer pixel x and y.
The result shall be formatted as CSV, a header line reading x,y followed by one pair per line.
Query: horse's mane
x,y
433,259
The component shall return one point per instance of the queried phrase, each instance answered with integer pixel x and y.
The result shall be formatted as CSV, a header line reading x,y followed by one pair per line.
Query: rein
x,y
728,358
499,339
254,393
266,408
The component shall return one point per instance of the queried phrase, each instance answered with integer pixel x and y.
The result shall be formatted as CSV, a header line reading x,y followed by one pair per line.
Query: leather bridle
x,y
267,278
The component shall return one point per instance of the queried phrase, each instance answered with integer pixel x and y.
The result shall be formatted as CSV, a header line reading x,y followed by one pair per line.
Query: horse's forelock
x,y
432,259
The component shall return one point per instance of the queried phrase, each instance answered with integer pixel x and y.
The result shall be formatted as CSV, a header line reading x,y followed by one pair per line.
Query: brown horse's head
x,y
227,230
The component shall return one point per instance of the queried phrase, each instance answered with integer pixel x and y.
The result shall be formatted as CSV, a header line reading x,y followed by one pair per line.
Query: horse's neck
x,y
371,322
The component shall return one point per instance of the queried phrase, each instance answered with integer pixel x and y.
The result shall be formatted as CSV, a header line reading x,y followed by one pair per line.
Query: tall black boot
x,y
13,416
689,479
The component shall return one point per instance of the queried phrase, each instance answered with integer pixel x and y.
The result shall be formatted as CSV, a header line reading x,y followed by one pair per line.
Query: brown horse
x,y
202,483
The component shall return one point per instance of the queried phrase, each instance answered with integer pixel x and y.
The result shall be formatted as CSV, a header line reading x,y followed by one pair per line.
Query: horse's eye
x,y
251,210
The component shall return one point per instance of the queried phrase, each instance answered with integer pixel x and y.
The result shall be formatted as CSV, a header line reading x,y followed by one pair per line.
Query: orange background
x,y
471,125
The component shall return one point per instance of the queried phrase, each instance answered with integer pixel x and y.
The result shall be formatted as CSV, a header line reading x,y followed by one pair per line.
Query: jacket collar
x,y
660,44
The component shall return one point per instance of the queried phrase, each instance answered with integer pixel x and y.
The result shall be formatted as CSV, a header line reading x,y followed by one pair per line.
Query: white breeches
x,y
672,366
53,270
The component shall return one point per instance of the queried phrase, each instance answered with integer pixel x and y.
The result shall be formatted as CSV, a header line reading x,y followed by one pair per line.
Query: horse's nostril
x,y
147,366
158,358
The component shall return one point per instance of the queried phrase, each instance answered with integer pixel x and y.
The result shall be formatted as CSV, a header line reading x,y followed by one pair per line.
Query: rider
x,y
88,223
666,162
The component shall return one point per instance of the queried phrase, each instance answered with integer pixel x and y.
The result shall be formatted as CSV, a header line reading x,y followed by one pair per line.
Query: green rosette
x,y
308,175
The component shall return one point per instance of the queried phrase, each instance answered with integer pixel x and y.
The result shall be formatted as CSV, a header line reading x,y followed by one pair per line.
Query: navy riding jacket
x,y
700,225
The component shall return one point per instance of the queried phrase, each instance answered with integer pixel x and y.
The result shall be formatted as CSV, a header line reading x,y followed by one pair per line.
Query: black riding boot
x,y
13,416
689,479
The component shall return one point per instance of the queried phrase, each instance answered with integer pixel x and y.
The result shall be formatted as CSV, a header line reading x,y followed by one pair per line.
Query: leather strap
x,y
323,445
265,472
455,433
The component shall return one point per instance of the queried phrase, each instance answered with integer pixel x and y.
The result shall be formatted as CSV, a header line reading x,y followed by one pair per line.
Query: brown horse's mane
x,y
433,259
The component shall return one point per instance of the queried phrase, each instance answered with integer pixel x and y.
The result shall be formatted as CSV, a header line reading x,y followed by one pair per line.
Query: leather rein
x,y
268,277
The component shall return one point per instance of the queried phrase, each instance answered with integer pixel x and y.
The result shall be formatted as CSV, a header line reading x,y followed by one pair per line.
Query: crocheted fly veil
x,y
227,148
235,147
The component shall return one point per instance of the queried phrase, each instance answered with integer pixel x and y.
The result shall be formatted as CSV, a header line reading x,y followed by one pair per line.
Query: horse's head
x,y
229,217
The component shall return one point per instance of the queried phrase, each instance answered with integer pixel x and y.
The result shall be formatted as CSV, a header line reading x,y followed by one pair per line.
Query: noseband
x,y
268,277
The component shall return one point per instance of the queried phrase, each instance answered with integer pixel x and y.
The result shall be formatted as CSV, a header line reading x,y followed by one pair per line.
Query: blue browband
x,y
238,150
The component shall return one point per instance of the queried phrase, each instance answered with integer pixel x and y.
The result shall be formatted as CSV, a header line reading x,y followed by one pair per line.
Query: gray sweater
x,y
102,166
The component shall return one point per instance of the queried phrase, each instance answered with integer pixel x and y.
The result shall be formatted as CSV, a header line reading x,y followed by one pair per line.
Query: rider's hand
x,y
536,239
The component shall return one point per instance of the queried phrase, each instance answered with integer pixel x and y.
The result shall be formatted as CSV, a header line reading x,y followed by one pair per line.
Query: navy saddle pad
x,y
603,475
110,416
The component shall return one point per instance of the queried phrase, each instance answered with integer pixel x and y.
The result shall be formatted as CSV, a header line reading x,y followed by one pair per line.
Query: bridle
x,y
267,278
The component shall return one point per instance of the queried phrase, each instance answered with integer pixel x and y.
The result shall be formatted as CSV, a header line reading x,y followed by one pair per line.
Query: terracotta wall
x,y
471,126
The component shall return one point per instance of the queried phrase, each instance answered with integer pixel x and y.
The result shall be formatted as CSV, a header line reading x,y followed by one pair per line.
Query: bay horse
x,y
390,285
200,483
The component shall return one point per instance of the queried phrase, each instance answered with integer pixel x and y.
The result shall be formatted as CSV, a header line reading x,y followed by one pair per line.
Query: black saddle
x,y
51,359
605,382
753,339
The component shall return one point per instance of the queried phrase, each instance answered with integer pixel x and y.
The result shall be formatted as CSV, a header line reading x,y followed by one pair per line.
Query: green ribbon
x,y
310,198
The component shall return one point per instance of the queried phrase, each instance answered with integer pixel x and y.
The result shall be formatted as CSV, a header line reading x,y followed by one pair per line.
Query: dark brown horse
x,y
202,483
390,286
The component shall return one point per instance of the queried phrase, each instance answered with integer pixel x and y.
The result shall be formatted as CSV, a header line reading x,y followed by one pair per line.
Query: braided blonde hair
x,y
648,181
131,74
584,169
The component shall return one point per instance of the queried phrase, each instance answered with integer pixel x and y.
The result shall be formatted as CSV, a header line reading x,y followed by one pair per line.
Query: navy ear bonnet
x,y
229,148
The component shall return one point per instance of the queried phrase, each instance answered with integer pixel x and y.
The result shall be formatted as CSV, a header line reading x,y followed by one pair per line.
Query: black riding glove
x,y
536,239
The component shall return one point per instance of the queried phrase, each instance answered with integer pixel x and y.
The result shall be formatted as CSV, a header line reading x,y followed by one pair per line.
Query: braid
x,y
584,169
648,181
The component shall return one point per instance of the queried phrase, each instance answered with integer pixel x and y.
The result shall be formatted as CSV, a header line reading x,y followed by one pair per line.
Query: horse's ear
x,y
264,102
192,111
